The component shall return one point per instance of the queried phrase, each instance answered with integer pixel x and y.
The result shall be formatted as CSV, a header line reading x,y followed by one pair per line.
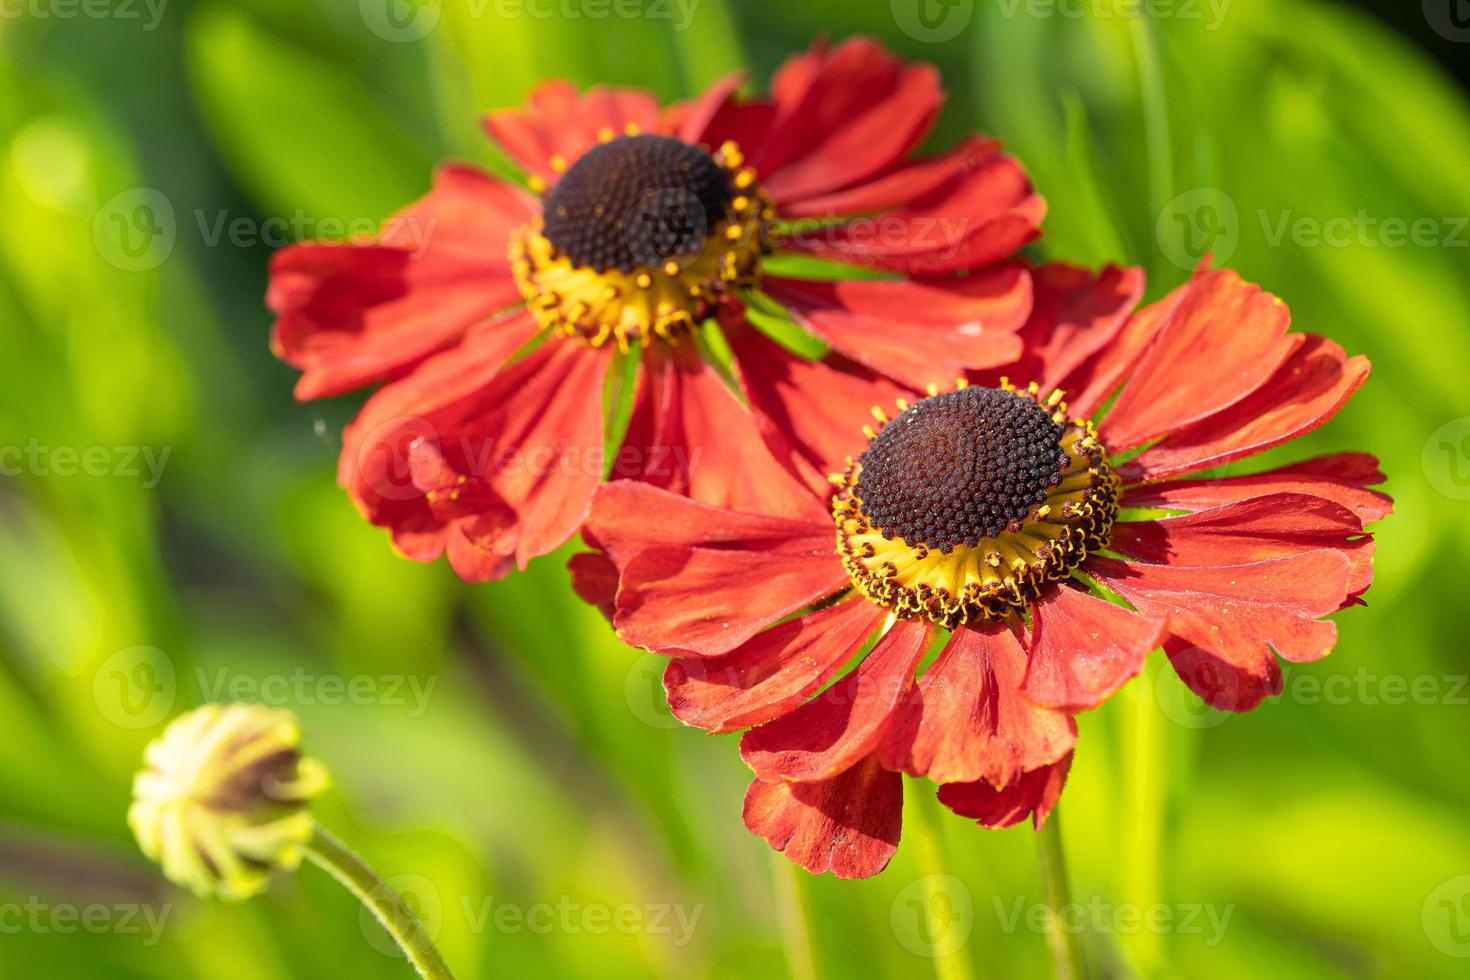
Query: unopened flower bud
x,y
224,799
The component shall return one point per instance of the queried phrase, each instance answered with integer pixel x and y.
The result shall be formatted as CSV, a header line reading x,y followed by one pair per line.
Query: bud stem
x,y
1066,946
335,857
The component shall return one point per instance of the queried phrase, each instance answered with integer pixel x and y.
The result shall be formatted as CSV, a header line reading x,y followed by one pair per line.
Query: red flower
x,y
487,312
1008,518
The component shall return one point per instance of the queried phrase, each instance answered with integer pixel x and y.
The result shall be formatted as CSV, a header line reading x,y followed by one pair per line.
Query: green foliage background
x,y
544,769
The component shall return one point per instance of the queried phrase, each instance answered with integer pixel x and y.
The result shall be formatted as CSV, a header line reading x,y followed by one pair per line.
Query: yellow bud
x,y
223,800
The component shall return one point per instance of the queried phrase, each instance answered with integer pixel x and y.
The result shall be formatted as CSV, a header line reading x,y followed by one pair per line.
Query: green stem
x,y
1142,848
1144,751
1066,947
335,857
928,837
795,923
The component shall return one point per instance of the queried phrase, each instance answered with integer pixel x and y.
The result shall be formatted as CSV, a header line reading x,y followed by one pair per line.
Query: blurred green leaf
x,y
331,154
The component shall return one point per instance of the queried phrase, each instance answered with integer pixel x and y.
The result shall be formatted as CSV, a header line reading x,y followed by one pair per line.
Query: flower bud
x,y
224,799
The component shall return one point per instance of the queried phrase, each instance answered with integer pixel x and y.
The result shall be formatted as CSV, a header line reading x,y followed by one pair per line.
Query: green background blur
x,y
494,747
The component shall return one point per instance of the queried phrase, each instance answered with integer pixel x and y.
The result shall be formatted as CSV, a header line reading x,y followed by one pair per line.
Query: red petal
x,y
772,672
1230,679
1091,385
470,509
1033,795
628,517
1075,314
1225,622
968,719
483,548
1308,390
747,122
416,534
376,464
811,413
1084,648
465,214
557,120
1240,533
1253,530
526,442
595,580
540,424
916,332
1223,341
795,77
692,121
905,183
843,724
1339,477
843,117
689,434
848,825
452,491
709,602
978,219
349,314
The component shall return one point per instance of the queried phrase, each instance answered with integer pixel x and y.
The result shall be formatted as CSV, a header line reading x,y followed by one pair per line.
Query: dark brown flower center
x,y
636,201
960,467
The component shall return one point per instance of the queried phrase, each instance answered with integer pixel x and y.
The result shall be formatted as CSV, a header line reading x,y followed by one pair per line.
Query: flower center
x,y
966,504
960,467
641,238
637,200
